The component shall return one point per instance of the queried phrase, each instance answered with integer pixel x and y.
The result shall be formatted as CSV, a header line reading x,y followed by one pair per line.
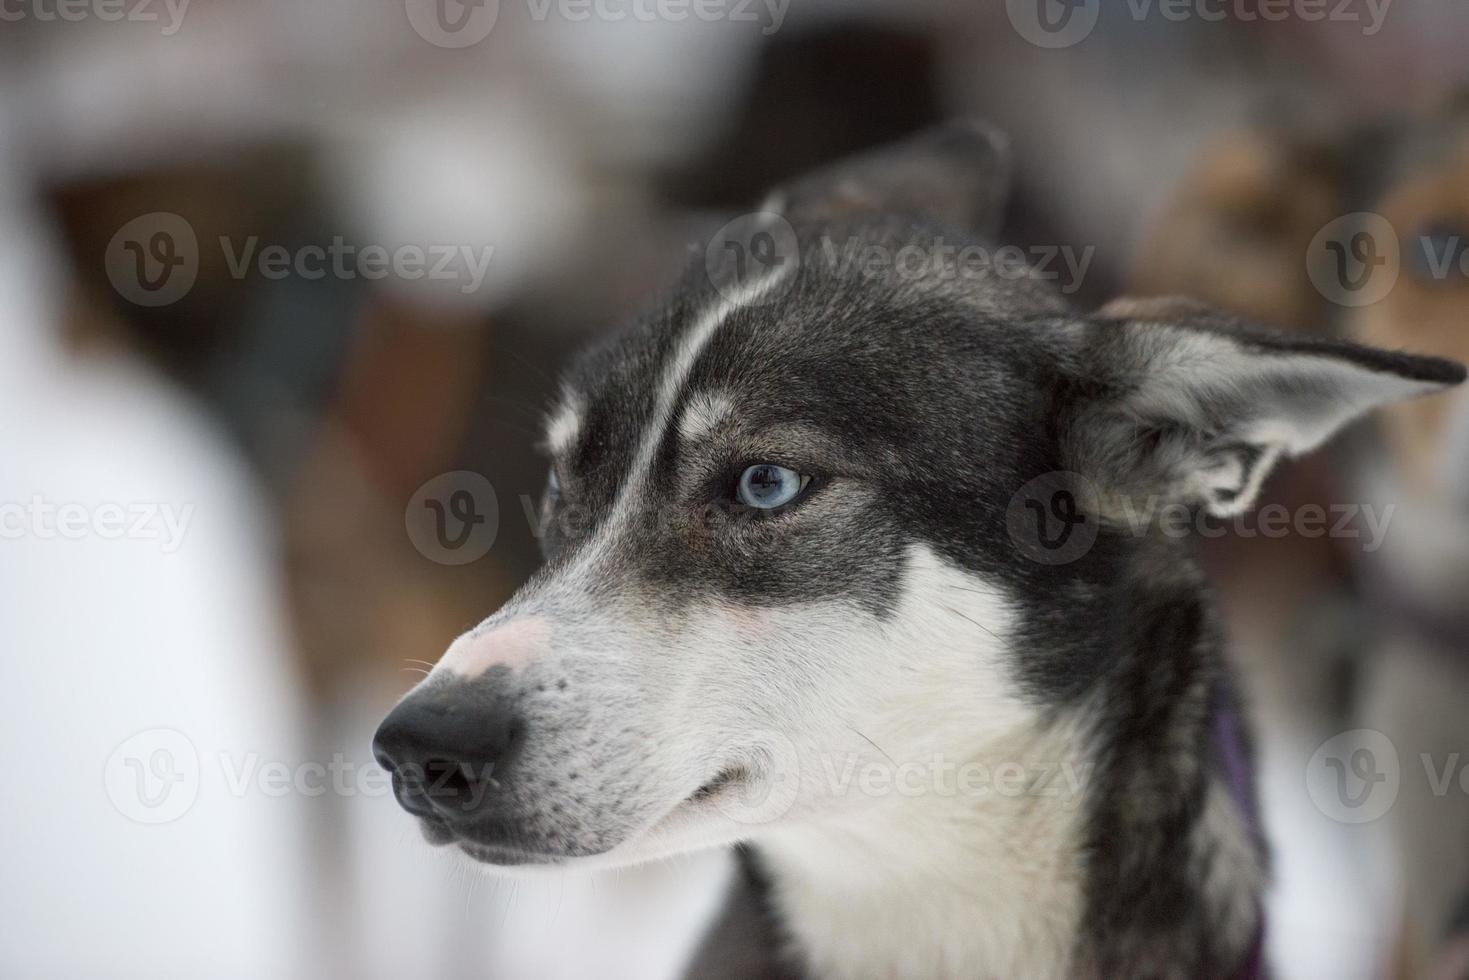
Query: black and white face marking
x,y
776,534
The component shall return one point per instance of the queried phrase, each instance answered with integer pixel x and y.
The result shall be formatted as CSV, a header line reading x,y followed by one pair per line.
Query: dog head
x,y
781,522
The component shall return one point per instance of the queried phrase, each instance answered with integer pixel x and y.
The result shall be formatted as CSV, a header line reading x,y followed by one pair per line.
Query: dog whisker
x,y
509,901
874,745
971,619
962,588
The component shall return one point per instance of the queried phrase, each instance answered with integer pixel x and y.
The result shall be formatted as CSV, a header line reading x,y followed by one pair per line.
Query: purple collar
x,y
1229,743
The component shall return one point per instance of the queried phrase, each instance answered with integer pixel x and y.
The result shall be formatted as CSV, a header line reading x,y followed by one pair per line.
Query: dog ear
x,y
1183,403
957,174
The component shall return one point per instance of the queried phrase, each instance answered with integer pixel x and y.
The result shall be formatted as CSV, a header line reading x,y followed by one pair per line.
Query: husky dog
x,y
865,552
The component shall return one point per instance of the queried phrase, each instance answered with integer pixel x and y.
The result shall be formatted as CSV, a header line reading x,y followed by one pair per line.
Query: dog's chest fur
x,y
940,889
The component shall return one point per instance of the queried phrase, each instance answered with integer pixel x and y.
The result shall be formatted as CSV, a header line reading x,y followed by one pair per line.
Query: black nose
x,y
448,752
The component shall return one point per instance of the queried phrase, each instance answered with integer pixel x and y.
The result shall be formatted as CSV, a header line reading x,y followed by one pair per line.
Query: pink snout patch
x,y
515,643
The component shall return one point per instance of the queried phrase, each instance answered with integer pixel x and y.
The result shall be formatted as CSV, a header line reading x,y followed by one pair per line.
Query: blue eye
x,y
768,486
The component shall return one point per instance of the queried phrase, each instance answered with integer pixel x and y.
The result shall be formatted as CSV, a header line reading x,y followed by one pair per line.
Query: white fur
x,y
563,425
703,415
971,883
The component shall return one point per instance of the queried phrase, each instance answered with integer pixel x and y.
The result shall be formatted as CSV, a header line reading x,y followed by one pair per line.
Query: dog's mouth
x,y
502,856
729,781
439,833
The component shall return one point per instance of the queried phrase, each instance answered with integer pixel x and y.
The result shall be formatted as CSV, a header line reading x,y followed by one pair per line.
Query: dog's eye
x,y
768,486
553,486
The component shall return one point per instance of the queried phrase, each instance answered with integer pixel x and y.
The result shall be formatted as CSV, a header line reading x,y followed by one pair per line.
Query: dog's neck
x,y
934,885
1143,860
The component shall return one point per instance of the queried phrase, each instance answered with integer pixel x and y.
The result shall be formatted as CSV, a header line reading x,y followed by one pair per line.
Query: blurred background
x,y
284,288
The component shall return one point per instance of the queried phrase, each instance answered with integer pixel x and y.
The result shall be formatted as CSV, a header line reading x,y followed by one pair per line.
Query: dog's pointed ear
x,y
1178,402
957,174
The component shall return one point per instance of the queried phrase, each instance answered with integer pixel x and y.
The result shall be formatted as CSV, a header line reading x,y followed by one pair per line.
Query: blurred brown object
x,y
1417,684
260,190
367,606
1238,234
1235,233
1427,307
